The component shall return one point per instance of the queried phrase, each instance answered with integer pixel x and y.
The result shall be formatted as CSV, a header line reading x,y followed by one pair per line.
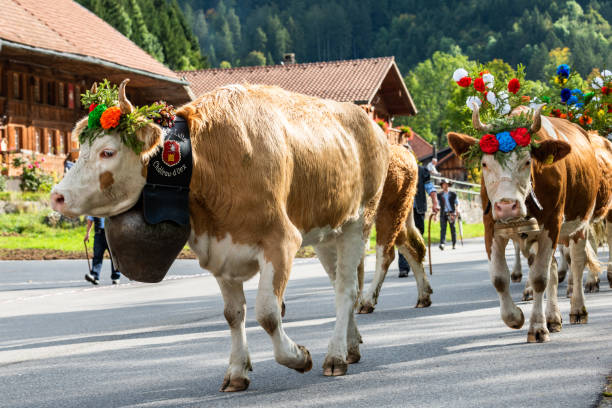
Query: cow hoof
x,y
591,286
527,294
539,335
353,355
366,307
554,323
581,317
307,365
561,275
515,320
425,302
233,384
334,366
516,277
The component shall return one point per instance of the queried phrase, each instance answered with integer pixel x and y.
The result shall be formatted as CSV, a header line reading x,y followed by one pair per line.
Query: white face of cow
x,y
508,184
108,177
106,180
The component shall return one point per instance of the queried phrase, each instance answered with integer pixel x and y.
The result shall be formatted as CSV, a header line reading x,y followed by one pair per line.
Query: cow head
x,y
508,184
108,177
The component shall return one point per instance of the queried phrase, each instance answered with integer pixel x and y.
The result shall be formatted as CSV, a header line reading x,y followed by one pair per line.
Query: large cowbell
x,y
145,240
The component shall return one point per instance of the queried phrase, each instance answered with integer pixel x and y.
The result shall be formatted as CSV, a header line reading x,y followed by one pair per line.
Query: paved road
x,y
66,344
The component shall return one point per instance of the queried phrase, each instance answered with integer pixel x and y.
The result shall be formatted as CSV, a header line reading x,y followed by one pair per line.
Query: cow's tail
x,y
592,261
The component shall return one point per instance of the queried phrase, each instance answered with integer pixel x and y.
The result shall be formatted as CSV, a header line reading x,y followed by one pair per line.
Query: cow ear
x,y
549,151
151,136
78,128
460,143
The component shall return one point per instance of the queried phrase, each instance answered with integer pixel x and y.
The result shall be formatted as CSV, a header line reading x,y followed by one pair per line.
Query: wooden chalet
x,y
50,53
374,83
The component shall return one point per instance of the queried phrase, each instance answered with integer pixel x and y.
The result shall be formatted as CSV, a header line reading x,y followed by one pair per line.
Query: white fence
x,y
468,195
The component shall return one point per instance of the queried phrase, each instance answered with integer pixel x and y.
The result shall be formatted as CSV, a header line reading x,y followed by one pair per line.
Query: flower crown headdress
x,y
504,134
110,110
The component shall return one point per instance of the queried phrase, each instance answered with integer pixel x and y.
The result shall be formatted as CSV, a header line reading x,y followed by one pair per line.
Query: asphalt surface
x,y
64,343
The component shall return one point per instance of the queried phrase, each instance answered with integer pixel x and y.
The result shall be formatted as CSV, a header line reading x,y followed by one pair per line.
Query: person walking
x,y
100,246
424,188
449,206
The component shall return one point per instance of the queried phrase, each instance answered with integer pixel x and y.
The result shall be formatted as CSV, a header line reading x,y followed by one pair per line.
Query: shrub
x,y
33,178
3,180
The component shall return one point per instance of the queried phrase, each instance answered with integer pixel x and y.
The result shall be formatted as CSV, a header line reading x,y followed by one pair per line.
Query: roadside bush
x,y
33,178
3,181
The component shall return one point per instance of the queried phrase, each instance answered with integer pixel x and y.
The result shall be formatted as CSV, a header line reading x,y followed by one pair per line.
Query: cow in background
x,y
272,170
565,177
395,227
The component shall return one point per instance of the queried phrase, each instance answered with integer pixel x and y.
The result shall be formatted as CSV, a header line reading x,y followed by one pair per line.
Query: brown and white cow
x,y
395,227
272,170
566,179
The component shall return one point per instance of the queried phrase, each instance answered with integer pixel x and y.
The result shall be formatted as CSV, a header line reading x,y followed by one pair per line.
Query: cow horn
x,y
94,88
478,125
124,104
537,120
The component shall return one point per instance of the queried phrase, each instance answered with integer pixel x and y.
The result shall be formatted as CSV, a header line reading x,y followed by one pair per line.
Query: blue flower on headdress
x,y
572,100
563,70
565,94
577,92
506,142
579,105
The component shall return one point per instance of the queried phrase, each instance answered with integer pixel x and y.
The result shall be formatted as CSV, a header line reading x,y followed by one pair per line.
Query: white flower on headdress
x,y
492,98
471,100
505,109
597,83
605,73
489,80
459,73
578,116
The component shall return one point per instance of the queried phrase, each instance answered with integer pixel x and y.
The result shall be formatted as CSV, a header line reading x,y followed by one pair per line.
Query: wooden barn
x,y
374,83
48,57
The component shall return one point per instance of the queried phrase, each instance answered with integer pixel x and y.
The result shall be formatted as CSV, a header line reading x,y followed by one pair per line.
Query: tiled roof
x,y
347,80
67,27
421,147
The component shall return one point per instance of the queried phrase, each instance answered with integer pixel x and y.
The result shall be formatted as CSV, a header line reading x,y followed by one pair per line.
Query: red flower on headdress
x,y
489,144
605,90
514,85
92,106
465,81
521,136
479,84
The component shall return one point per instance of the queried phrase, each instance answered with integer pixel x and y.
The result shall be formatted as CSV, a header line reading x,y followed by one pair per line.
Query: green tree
x,y
255,58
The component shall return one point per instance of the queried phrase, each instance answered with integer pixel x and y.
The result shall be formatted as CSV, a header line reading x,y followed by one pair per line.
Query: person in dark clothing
x,y
424,187
100,246
449,206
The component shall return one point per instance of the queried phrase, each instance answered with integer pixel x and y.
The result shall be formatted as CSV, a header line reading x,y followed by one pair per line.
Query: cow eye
x,y
107,154
528,163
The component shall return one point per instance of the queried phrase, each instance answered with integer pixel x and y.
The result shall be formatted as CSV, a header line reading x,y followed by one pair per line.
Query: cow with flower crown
x,y
543,180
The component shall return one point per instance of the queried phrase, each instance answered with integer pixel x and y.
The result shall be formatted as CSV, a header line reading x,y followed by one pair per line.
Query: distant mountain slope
x,y
259,31
157,26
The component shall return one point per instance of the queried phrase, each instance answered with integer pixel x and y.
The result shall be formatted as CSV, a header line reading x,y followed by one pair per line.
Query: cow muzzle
x,y
507,210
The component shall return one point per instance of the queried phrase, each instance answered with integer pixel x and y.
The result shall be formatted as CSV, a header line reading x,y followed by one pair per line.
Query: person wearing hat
x,y
448,212
424,188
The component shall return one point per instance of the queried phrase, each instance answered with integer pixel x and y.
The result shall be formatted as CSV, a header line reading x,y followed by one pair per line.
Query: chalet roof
x,y
61,30
421,147
357,81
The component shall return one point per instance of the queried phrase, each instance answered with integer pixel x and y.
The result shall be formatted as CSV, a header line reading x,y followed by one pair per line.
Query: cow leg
x,y
540,258
554,321
517,274
423,287
528,291
564,263
328,257
578,312
275,267
384,258
349,246
500,276
236,378
592,283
